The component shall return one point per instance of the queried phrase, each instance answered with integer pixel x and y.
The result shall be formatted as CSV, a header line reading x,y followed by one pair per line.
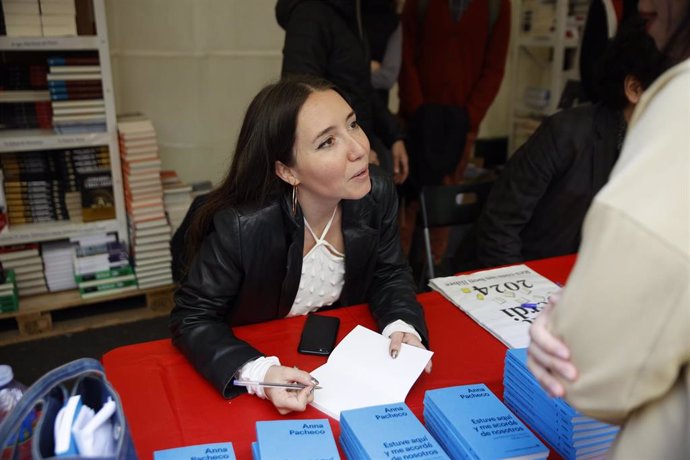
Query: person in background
x,y
326,39
616,343
299,223
537,206
454,55
384,32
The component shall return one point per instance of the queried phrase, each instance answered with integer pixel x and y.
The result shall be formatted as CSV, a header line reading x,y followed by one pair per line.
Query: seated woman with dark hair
x,y
538,204
299,223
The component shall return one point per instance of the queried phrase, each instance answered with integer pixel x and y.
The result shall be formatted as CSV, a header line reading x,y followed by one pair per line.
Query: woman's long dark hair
x,y
267,136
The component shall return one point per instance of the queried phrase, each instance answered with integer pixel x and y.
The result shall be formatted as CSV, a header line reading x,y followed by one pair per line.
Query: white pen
x,y
291,386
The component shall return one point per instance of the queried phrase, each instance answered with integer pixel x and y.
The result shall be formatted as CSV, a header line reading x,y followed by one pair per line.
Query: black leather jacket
x,y
538,204
248,270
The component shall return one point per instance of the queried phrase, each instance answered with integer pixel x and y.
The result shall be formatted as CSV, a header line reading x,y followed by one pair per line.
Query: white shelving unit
x,y
31,140
35,315
539,56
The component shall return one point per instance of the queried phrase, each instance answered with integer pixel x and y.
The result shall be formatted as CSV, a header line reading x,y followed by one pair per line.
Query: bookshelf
x,y
545,46
28,53
44,139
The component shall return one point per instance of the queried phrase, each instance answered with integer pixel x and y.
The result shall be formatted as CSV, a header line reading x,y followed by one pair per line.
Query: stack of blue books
x,y
571,434
294,440
470,422
388,431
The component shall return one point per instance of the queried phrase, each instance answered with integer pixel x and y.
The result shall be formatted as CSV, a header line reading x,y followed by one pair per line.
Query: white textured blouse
x,y
323,274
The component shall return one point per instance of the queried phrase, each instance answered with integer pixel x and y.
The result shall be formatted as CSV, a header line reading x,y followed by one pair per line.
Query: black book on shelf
x,y
97,197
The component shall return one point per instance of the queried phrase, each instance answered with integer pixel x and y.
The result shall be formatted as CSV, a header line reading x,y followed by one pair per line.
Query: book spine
x,y
104,274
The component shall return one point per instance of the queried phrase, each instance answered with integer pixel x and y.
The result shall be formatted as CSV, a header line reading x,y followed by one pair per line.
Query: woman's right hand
x,y
548,358
285,400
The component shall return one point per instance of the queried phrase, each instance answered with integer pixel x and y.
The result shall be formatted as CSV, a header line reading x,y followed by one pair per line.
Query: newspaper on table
x,y
504,301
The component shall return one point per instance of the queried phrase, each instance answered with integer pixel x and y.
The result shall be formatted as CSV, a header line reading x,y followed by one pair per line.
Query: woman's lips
x,y
362,173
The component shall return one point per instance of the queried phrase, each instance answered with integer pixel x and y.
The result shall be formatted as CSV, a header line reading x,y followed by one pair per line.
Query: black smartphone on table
x,y
319,335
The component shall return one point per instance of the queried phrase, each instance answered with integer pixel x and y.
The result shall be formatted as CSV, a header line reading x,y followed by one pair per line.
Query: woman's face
x,y
662,17
331,151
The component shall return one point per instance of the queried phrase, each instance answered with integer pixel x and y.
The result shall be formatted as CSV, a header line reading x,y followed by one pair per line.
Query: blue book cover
x,y
516,369
296,439
218,450
256,455
568,445
536,399
483,425
569,432
387,431
453,445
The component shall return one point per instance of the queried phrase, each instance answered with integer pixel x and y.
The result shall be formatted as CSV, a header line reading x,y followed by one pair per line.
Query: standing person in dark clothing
x,y
384,32
325,38
539,202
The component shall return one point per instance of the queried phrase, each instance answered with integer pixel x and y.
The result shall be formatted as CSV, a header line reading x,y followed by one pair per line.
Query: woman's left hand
x,y
398,338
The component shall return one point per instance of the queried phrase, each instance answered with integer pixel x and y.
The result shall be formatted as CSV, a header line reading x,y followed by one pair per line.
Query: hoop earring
x,y
294,200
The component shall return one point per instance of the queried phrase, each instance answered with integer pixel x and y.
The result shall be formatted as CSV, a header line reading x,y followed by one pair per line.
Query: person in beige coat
x,y
617,345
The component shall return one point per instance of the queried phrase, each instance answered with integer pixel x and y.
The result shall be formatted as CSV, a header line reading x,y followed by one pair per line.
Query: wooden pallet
x,y
34,319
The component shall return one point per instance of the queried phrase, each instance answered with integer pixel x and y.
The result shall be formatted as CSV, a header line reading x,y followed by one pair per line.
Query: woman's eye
x,y
354,124
327,143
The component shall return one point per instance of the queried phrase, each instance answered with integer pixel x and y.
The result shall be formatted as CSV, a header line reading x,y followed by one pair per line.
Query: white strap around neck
x,y
322,240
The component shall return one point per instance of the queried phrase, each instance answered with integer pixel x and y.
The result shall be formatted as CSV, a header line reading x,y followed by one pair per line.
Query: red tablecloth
x,y
168,404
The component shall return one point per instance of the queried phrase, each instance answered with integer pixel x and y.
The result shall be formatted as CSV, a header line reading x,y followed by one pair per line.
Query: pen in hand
x,y
289,386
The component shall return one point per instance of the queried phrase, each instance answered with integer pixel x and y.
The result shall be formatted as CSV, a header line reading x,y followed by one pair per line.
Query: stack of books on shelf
x,y
293,439
58,258
25,260
101,266
33,191
9,297
177,197
571,434
76,91
22,18
91,166
58,18
387,431
89,90
31,18
150,230
73,166
56,185
469,421
24,97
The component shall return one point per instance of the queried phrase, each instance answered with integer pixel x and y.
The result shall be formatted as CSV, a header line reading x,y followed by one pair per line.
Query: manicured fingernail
x,y
314,381
394,354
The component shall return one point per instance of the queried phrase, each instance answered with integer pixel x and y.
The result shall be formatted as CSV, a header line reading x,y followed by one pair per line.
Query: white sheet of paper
x,y
360,372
